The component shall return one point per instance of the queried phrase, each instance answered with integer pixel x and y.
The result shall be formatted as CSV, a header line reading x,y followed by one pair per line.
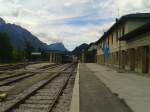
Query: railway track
x,y
11,79
14,74
11,67
43,96
15,66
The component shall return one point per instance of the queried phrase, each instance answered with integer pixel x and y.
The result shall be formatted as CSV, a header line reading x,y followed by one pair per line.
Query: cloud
x,y
72,22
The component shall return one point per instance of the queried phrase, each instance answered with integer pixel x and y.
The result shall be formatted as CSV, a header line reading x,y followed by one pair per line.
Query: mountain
x,y
80,48
57,47
2,21
19,36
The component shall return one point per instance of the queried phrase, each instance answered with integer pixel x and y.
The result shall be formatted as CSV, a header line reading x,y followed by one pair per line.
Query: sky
x,y
72,22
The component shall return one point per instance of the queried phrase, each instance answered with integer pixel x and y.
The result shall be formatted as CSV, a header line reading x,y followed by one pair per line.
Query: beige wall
x,y
140,41
130,54
128,26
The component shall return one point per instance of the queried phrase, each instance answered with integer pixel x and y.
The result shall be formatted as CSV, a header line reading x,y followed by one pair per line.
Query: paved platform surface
x,y
94,95
134,89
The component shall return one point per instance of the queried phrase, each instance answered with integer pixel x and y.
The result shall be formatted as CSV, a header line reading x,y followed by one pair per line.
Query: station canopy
x,y
36,53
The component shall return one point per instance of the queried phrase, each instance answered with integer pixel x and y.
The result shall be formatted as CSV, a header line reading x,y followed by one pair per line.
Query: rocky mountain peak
x,y
2,21
57,46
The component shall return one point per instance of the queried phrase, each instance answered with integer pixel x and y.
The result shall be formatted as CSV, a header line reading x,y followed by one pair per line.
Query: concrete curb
x,y
75,103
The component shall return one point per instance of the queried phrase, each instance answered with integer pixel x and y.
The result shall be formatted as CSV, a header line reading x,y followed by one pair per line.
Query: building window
x,y
112,38
102,44
108,41
117,56
99,45
116,35
123,30
120,33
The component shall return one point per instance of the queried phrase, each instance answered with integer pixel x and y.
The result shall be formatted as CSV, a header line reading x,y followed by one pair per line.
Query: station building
x,y
56,56
90,53
127,44
59,57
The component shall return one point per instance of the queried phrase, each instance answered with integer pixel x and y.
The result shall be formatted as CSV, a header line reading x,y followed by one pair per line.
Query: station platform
x,y
102,89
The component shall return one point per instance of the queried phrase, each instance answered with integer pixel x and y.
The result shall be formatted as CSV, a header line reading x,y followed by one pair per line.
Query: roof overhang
x,y
137,32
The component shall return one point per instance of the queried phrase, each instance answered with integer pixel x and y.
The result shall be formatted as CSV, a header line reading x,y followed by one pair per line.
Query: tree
x,y
18,55
28,50
5,48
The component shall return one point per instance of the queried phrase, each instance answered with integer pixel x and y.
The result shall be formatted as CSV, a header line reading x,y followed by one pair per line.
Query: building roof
x,y
56,51
139,31
124,19
92,44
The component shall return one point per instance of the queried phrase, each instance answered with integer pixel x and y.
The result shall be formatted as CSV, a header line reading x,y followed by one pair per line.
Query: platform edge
x,y
75,103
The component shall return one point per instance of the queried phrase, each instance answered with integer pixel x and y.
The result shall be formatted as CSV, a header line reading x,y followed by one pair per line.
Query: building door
x,y
145,60
132,59
123,59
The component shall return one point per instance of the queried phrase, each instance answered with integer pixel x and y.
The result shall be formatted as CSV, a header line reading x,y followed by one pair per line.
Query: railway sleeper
x,y
34,106
28,110
37,101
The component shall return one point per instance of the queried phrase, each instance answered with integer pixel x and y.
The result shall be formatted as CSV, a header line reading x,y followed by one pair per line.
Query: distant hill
x,y
20,36
57,47
79,49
